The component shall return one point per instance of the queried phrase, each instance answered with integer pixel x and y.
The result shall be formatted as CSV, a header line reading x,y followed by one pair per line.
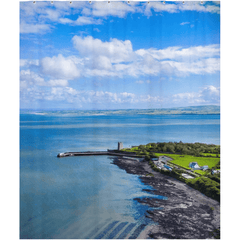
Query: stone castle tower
x,y
120,145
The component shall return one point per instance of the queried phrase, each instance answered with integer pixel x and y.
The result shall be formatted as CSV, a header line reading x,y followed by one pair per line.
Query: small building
x,y
160,165
167,167
120,146
194,166
215,171
205,167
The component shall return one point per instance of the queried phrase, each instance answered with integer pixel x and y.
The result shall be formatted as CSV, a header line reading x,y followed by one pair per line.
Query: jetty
x,y
108,152
111,153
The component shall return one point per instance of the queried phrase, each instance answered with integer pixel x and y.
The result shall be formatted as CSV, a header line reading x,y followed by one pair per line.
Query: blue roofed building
x,y
194,166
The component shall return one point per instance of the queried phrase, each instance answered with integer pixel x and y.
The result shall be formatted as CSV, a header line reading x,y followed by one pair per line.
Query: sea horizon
x,y
203,109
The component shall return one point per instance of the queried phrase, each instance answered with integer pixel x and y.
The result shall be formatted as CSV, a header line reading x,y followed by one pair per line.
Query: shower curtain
x,y
107,89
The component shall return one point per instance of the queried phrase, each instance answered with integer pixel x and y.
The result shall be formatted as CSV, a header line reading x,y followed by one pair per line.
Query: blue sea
x,y
88,197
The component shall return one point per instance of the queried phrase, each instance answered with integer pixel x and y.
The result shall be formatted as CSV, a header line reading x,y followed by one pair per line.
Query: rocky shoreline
x,y
186,214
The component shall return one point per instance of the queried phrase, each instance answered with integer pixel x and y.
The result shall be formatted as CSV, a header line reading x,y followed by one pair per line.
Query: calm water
x,y
88,197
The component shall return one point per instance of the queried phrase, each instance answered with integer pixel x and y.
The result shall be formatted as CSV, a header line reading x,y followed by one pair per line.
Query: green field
x,y
184,160
135,149
210,154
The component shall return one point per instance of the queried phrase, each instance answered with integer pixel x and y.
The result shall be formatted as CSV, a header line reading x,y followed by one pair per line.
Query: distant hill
x,y
209,109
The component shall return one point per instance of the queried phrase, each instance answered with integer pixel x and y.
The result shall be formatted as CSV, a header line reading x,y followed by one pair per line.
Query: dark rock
x,y
186,214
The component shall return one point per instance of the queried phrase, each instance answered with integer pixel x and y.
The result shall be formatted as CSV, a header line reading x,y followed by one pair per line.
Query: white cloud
x,y
67,94
51,14
59,67
81,20
159,7
184,68
179,6
71,95
29,9
116,58
116,50
96,30
99,62
179,53
150,99
184,23
118,9
35,17
197,6
27,62
58,82
190,97
207,95
30,79
211,93
140,82
177,61
34,28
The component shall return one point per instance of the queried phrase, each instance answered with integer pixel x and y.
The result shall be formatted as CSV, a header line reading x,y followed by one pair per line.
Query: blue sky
x,y
119,55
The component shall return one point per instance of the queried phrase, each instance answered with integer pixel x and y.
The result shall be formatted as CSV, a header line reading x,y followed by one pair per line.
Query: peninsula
x,y
192,208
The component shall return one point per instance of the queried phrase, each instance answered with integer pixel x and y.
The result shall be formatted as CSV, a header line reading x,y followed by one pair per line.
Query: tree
x,y
152,155
147,158
154,145
164,149
170,148
141,147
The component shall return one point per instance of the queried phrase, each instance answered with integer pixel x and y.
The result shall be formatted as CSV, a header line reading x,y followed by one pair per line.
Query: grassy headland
x,y
182,154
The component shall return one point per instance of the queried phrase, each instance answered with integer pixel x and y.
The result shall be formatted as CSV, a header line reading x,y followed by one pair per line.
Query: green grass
x,y
184,160
210,154
135,149
200,172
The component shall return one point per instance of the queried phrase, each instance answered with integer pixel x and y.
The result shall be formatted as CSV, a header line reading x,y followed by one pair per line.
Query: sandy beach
x,y
186,214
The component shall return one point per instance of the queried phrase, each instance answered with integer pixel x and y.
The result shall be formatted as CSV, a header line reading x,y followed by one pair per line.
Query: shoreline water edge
x,y
58,190
186,214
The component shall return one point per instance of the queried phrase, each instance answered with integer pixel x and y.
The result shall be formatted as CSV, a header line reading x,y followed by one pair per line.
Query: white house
x,y
194,166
